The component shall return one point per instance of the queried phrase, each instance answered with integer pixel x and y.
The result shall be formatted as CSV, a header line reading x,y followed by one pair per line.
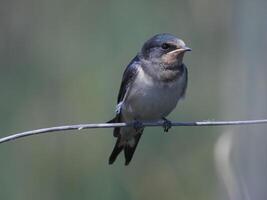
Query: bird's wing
x,y
186,80
128,78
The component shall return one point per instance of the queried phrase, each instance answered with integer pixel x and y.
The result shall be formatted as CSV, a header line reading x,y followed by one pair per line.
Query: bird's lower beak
x,y
187,49
177,51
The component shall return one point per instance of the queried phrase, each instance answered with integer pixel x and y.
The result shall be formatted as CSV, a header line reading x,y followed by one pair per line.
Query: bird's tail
x,y
128,149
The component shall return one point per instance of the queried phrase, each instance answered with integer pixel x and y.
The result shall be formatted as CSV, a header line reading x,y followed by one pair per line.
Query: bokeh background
x,y
62,63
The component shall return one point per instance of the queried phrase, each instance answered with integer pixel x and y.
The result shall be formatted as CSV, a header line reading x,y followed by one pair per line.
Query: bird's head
x,y
164,48
164,52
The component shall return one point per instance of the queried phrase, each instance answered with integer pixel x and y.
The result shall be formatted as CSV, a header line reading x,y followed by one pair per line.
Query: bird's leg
x,y
137,125
167,124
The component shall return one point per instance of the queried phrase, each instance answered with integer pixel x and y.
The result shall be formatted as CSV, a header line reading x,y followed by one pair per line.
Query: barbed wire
x,y
129,124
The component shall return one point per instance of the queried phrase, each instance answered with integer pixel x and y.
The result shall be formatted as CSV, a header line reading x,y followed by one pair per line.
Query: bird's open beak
x,y
177,51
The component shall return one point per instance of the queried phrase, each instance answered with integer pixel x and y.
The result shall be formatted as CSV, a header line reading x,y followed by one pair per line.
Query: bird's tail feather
x,y
117,129
128,150
116,151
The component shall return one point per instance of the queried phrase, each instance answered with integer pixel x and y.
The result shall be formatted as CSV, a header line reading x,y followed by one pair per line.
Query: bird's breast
x,y
148,99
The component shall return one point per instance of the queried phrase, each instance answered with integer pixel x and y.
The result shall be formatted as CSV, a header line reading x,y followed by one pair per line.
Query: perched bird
x,y
151,86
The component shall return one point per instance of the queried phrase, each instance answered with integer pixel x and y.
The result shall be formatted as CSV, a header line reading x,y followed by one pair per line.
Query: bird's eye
x,y
165,46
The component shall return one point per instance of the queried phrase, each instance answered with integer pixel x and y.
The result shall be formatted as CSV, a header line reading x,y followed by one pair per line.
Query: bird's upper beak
x,y
180,50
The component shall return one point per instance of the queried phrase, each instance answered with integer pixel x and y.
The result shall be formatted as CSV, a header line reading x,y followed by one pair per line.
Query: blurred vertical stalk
x,y
241,153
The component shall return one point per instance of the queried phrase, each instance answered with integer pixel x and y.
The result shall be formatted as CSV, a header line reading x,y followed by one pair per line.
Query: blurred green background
x,y
62,63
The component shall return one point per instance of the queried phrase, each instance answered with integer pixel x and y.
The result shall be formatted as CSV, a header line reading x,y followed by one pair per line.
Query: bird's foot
x,y
167,124
138,125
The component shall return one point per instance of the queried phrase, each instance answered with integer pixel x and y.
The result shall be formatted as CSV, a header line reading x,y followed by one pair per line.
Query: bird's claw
x,y
167,124
137,125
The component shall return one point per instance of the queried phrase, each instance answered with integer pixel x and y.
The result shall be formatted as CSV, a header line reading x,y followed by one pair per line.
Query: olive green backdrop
x,y
62,63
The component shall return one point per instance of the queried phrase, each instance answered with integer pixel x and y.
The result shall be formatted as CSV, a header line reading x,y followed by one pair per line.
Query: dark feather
x,y
129,151
116,151
116,130
186,80
128,77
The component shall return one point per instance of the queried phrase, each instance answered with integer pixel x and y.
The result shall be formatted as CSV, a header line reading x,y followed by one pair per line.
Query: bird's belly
x,y
151,102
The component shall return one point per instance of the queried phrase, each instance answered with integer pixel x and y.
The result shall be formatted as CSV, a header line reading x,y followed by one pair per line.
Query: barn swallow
x,y
152,84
